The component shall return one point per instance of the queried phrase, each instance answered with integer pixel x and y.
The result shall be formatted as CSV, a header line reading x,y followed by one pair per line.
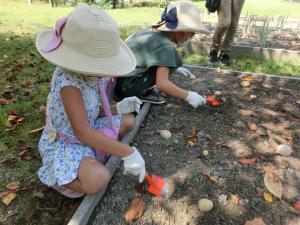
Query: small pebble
x,y
165,134
223,199
205,205
218,92
245,83
176,141
253,96
205,153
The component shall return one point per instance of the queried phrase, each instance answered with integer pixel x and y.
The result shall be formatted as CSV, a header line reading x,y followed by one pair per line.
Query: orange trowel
x,y
157,186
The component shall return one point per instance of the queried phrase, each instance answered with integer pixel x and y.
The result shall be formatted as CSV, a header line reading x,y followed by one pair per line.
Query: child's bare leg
x,y
127,124
92,177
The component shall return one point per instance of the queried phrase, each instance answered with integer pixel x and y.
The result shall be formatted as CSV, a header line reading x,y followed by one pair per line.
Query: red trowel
x,y
157,186
212,99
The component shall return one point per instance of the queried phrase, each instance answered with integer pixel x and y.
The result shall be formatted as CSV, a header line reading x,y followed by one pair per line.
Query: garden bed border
x,y
203,48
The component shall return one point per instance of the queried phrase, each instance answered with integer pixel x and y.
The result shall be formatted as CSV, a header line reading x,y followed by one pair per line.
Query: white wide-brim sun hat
x,y
182,16
90,45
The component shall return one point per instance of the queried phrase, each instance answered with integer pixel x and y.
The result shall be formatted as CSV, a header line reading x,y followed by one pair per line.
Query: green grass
x,y
250,64
16,16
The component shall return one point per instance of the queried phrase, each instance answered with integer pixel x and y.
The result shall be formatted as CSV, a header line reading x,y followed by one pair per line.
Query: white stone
x,y
253,96
284,150
205,153
245,83
218,92
205,205
165,134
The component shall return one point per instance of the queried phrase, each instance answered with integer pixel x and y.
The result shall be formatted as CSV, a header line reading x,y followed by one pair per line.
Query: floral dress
x,y
60,158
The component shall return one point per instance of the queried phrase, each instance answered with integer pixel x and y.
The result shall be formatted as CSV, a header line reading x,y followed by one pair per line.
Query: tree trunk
x,y
51,3
29,2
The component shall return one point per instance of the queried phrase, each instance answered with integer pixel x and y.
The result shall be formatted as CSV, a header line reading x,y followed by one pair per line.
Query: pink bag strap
x,y
106,106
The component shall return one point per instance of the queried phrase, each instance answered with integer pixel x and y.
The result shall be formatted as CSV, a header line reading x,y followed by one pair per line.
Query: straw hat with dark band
x,y
181,16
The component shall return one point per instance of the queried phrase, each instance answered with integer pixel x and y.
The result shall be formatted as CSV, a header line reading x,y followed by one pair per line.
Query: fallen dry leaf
x,y
10,160
4,101
210,177
2,194
7,199
220,144
252,126
10,127
297,205
193,139
247,161
234,199
140,187
255,221
13,185
268,197
248,78
273,184
136,209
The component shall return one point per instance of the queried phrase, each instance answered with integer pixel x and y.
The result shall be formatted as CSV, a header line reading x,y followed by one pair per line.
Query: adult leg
x,y
224,20
236,9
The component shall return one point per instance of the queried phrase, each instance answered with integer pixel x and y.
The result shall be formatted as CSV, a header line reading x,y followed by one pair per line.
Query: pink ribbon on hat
x,y
56,39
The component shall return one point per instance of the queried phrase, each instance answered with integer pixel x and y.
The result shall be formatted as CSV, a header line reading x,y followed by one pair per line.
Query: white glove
x,y
185,72
134,164
129,105
195,99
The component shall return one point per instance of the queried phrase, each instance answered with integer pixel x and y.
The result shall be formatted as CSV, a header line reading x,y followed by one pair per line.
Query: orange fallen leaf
x,y
268,197
297,205
136,209
193,139
210,177
255,221
248,78
7,199
13,185
252,126
234,199
248,161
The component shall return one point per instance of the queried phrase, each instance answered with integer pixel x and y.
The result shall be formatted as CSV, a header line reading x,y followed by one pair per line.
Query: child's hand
x,y
134,164
195,99
185,72
129,105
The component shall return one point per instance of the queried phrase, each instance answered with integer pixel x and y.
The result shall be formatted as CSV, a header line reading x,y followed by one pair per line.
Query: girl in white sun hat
x,y
80,131
157,57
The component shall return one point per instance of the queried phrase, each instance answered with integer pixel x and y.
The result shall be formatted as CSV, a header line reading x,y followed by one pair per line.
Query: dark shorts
x,y
135,85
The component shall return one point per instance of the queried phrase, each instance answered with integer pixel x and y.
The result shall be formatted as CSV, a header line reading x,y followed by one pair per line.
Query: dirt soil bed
x,y
227,134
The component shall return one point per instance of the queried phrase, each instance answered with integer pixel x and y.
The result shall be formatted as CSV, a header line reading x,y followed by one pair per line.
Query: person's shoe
x,y
224,58
152,95
213,57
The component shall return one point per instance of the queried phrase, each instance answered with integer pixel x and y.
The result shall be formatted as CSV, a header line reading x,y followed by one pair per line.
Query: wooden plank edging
x,y
242,73
86,207
201,47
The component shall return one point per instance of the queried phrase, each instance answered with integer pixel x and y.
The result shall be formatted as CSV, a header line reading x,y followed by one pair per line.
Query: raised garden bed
x,y
227,134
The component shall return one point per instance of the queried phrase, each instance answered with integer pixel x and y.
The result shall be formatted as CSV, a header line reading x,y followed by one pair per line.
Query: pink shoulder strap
x,y
106,106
